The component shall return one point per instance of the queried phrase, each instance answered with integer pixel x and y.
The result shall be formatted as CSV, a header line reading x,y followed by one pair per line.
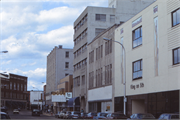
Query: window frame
x,y
133,37
66,64
175,11
141,69
100,17
67,54
178,49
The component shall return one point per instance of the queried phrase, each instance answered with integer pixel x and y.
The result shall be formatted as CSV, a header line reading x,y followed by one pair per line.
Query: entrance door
x,y
138,106
98,106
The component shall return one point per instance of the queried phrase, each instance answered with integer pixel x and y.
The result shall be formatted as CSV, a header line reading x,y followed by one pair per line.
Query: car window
x,y
161,116
103,114
166,116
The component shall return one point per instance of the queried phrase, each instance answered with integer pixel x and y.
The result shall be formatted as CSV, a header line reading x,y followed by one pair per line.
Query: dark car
x,y
36,112
100,115
91,115
167,116
142,116
4,115
4,109
117,115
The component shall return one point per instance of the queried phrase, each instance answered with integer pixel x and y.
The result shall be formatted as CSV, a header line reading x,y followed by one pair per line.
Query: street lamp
x,y
38,96
3,51
124,81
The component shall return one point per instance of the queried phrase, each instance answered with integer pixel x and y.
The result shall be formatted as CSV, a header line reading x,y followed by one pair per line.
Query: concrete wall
x,y
168,76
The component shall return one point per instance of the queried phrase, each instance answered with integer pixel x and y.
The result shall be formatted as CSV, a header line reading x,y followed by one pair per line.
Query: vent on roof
x,y
60,46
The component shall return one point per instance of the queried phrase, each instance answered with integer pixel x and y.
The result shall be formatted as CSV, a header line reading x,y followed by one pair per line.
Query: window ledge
x,y
136,47
137,79
175,65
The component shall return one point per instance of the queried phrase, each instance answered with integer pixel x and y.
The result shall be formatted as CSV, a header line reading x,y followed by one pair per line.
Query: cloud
x,y
5,62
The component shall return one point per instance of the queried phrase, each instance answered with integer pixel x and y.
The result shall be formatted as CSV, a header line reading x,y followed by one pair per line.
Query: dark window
x,y
67,54
176,17
137,37
101,17
137,69
67,65
176,56
66,74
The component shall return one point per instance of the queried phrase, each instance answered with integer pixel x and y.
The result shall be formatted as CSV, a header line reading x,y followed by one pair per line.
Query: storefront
x,y
154,103
73,104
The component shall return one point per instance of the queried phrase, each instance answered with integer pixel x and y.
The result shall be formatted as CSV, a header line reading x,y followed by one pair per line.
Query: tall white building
x,y
91,22
59,65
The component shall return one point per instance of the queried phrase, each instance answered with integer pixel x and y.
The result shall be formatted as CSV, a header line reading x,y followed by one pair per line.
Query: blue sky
x,y
30,29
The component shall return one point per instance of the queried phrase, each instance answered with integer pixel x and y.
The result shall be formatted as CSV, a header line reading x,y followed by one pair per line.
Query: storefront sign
x,y
137,21
68,95
58,98
141,85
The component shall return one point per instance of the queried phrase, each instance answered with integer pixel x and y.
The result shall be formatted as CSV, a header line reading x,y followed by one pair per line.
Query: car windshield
x,y
117,115
145,116
15,109
35,110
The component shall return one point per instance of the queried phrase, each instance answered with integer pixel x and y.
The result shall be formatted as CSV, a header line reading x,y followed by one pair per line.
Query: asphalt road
x,y
26,114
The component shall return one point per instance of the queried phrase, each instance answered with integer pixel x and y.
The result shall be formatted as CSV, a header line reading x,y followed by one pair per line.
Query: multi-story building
x,y
13,91
100,67
152,43
36,99
59,65
91,22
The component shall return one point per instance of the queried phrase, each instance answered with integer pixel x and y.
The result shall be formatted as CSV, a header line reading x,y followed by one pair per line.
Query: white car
x,y
15,111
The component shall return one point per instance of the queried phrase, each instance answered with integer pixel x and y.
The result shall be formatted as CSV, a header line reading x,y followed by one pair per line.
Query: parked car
x,y
116,115
142,116
36,112
167,116
15,111
100,115
66,114
83,115
19,108
74,115
4,109
4,115
57,114
91,115
61,114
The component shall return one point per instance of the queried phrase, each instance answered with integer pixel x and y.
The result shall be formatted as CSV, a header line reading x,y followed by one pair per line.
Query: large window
x,y
137,69
101,17
176,56
176,17
67,65
137,37
98,31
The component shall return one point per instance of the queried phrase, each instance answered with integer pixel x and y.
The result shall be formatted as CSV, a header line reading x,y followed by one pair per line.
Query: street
x,y
26,114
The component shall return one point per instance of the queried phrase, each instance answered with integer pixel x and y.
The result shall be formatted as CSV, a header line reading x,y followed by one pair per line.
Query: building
x,y
13,91
65,87
36,99
91,22
152,43
59,65
100,67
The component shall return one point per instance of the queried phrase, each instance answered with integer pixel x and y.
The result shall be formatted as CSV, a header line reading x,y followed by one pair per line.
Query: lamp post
x,y
38,96
3,51
124,81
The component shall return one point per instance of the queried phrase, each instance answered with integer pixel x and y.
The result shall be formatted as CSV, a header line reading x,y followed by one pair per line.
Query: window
x,y
176,17
112,18
108,47
10,85
67,65
21,87
24,87
83,79
18,86
101,17
176,56
14,86
137,37
24,96
98,30
66,74
137,69
91,79
67,54
101,51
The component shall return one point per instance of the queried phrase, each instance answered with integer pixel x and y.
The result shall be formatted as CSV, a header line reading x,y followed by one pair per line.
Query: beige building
x,y
152,43
91,22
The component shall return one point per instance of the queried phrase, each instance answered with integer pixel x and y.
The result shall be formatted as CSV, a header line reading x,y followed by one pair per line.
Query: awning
x,y
75,100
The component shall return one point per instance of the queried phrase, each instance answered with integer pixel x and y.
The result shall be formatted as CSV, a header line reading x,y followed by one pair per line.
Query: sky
x,y
30,29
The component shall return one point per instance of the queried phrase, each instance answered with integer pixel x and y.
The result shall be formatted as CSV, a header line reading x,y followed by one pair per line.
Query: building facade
x,y
91,22
152,43
14,91
100,68
36,100
59,65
